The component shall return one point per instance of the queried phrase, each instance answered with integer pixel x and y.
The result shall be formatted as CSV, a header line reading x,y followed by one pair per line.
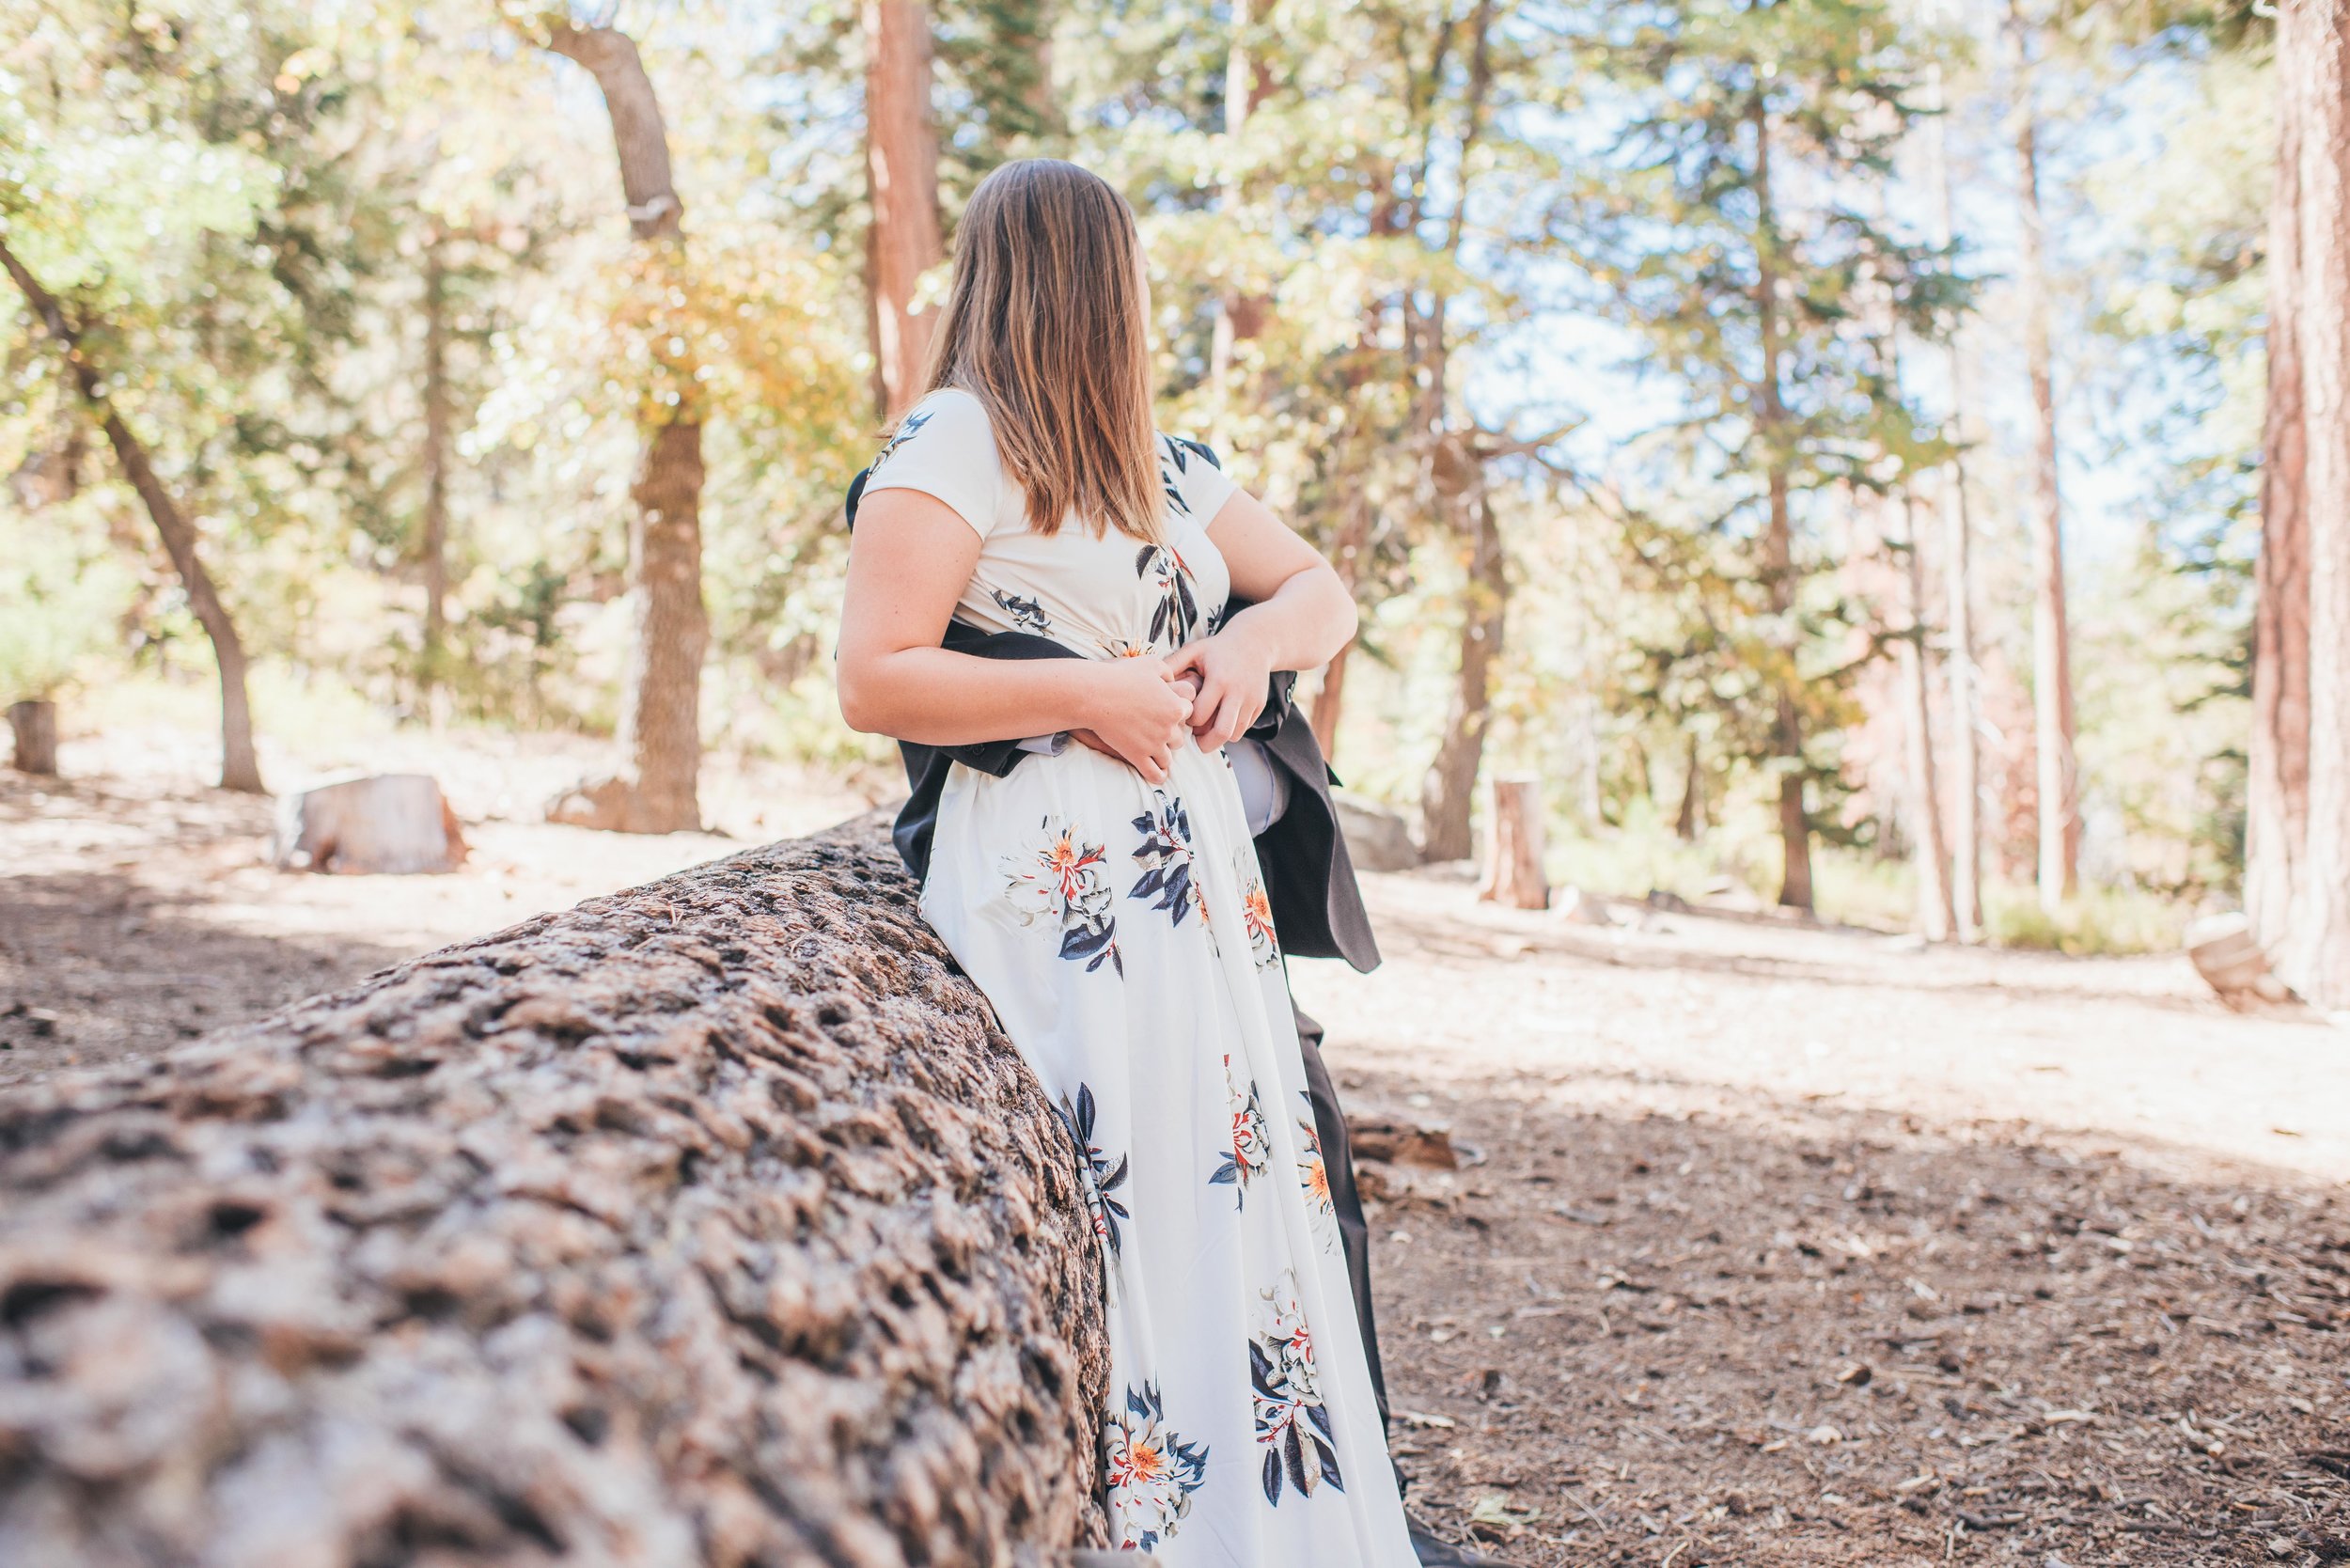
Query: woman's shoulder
x,y
948,427
946,448
949,415
1180,451
1193,477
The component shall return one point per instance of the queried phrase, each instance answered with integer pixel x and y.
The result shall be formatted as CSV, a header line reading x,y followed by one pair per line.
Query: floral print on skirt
x,y
1121,930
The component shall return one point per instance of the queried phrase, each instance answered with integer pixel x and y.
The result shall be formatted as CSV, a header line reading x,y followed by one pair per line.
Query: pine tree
x,y
1729,230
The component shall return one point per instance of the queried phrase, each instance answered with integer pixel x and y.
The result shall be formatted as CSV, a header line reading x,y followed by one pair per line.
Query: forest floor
x,y
1771,1246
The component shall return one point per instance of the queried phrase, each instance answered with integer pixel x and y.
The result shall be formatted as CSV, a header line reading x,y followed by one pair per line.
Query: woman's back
x,y
1097,591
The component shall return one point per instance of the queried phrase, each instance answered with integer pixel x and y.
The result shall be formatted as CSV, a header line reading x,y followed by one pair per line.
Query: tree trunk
x,y
659,730
2059,783
712,1222
1452,781
434,547
33,729
1927,854
1779,542
1330,697
1686,821
1513,846
2315,956
1239,315
2277,784
1958,578
240,768
378,825
902,179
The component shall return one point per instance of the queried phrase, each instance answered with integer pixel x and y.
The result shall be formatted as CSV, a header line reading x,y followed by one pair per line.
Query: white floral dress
x,y
1123,933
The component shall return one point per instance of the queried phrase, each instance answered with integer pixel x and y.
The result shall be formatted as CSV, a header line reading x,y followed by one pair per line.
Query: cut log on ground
x,y
33,729
398,824
712,1222
1513,846
2233,965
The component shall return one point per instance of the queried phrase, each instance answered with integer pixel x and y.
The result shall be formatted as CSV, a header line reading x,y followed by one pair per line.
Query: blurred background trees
x,y
1824,440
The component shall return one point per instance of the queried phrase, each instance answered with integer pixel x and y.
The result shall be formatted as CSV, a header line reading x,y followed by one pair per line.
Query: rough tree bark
x,y
2057,774
708,1223
240,768
2278,793
659,730
2314,957
902,178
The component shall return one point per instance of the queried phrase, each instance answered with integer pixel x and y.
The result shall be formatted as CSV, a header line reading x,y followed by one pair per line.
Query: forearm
x,y
1303,625
932,697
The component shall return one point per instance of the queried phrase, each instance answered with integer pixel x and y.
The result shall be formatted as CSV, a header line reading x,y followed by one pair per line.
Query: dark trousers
x,y
1338,1163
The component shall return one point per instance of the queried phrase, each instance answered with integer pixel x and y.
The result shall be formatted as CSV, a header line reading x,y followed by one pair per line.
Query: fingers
x,y
1224,723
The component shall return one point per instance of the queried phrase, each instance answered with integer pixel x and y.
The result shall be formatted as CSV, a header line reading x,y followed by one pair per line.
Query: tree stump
x,y
2223,951
33,726
709,1223
1513,846
393,823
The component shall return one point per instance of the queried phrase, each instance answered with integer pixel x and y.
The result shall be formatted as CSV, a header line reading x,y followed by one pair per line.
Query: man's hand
x,y
1188,685
1232,668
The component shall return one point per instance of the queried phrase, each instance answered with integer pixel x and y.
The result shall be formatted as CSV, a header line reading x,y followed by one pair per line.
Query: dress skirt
x,y
1121,930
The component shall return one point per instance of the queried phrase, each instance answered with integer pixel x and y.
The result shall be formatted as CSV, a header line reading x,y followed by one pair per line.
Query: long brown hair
x,y
1044,324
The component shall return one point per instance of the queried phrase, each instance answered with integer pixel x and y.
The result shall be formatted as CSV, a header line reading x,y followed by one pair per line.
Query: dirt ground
x,y
1770,1245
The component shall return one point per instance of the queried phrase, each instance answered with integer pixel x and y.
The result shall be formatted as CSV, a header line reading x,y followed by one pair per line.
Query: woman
x,y
1105,895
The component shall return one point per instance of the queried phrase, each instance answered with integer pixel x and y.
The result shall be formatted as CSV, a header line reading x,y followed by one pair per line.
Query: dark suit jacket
x,y
1309,879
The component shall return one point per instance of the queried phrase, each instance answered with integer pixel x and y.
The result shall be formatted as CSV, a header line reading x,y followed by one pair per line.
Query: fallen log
x,y
712,1222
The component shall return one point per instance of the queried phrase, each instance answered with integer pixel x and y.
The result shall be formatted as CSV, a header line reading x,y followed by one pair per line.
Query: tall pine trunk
x,y
239,767
902,181
1927,852
1958,589
2057,774
435,545
1354,541
2314,957
1455,480
1447,793
660,729
1240,316
2278,795
1778,540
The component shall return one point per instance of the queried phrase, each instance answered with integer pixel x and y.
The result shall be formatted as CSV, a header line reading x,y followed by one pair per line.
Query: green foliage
x,y
61,599
1737,228
1365,225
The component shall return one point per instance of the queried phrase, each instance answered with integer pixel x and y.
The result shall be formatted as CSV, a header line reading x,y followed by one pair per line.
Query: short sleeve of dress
x,y
1194,484
945,448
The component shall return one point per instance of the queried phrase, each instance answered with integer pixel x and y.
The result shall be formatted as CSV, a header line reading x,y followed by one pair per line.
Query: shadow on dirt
x,y
1846,1340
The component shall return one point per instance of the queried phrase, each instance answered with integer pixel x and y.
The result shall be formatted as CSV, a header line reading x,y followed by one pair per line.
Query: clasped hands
x,y
1144,708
